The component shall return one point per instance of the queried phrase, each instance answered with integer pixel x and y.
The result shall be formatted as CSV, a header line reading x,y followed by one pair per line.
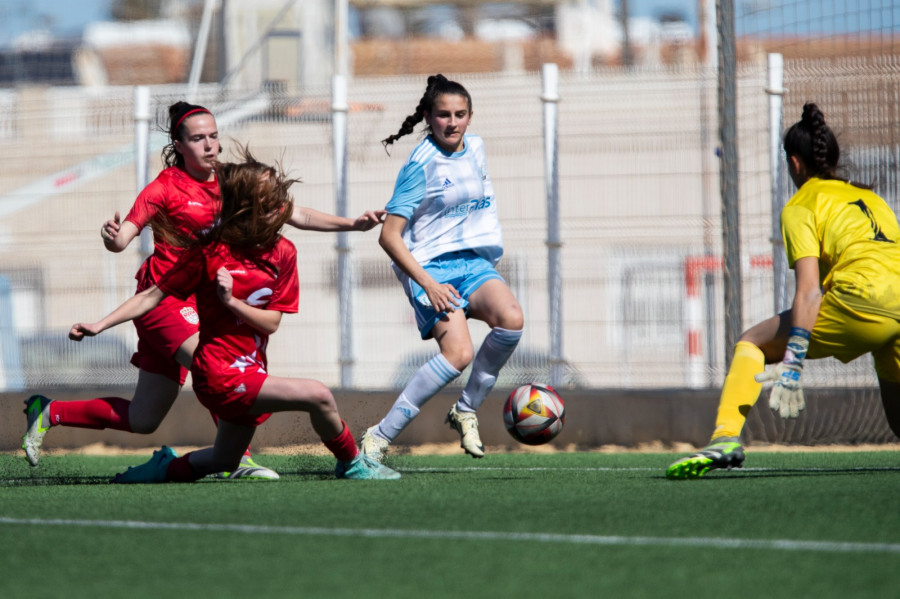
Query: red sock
x,y
100,413
343,446
181,471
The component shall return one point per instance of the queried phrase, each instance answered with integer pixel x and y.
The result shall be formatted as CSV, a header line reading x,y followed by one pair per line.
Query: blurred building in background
x,y
292,41
637,155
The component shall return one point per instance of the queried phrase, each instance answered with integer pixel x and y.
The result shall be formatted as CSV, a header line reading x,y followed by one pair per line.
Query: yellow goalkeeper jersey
x,y
855,235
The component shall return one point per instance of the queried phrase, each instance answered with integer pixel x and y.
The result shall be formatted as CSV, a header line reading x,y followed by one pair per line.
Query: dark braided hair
x,y
177,117
437,86
813,142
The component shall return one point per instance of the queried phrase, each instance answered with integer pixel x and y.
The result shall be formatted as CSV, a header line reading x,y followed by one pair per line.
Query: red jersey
x,y
229,348
188,205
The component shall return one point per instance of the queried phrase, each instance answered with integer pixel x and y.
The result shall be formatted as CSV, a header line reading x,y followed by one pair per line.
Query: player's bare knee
x,y
459,357
515,322
321,399
143,426
511,318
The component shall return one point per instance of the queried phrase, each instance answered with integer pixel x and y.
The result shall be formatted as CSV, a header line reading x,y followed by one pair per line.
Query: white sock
x,y
496,349
428,380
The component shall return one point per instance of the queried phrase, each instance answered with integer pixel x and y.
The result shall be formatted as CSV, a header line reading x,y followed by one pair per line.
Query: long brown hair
x,y
255,205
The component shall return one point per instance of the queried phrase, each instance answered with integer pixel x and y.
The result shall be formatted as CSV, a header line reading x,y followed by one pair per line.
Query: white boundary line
x,y
692,542
643,469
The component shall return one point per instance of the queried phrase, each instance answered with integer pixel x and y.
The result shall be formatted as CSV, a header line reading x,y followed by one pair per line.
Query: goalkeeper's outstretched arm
x,y
786,397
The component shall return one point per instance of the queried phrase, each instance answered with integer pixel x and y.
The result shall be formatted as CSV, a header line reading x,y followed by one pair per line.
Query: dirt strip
x,y
453,448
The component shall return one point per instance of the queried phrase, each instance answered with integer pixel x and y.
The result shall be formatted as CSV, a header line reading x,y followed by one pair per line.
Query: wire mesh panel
x,y
635,202
640,211
842,56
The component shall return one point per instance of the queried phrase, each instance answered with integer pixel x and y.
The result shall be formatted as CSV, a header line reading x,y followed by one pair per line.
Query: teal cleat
x,y
722,452
362,467
37,410
152,471
248,470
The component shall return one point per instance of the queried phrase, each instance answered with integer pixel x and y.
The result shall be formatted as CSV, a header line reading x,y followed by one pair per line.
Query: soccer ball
x,y
534,414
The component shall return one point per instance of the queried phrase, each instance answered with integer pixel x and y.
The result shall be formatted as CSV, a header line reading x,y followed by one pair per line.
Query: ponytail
x,y
814,143
437,86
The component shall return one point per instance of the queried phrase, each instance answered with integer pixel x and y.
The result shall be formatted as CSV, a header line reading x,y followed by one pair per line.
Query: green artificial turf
x,y
517,525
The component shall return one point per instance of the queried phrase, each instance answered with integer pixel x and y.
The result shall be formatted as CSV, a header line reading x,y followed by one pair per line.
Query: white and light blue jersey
x,y
448,201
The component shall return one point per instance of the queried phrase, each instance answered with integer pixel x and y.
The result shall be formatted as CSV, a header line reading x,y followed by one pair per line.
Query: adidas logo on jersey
x,y
447,184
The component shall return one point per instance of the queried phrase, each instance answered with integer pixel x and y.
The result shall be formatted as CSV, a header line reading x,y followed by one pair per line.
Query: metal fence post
x,y
550,99
775,89
339,109
142,118
731,229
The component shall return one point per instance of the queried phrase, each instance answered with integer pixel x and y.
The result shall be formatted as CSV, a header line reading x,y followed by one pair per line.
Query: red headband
x,y
187,114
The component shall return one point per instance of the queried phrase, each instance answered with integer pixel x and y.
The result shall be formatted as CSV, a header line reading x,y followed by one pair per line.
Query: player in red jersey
x,y
178,204
243,274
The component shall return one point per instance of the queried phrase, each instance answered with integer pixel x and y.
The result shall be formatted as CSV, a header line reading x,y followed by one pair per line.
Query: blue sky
x,y
68,17
62,17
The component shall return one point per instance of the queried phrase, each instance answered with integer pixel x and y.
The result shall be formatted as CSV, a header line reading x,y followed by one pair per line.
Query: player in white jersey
x,y
448,201
443,236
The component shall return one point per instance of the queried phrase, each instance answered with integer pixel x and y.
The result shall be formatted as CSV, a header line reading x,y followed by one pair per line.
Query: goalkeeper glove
x,y
786,397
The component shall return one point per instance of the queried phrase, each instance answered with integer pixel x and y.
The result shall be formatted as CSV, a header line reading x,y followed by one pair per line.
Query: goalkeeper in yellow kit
x,y
841,240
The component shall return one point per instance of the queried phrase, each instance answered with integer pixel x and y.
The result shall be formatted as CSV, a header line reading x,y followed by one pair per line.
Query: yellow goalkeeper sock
x,y
740,390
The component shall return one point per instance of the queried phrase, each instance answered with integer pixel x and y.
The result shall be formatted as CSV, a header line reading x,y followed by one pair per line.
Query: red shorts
x,y
232,404
161,332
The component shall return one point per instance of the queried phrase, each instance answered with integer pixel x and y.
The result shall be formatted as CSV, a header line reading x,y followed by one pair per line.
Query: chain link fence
x,y
638,158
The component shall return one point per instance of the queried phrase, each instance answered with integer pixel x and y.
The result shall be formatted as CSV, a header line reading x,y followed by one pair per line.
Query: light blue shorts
x,y
465,270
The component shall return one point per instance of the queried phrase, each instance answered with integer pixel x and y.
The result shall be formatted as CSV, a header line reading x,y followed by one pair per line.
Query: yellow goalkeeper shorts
x,y
846,333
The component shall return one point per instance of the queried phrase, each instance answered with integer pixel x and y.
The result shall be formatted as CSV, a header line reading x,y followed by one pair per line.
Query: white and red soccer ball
x,y
534,414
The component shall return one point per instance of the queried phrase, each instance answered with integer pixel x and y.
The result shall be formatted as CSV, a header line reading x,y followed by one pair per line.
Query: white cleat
x,y
372,445
466,424
248,470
